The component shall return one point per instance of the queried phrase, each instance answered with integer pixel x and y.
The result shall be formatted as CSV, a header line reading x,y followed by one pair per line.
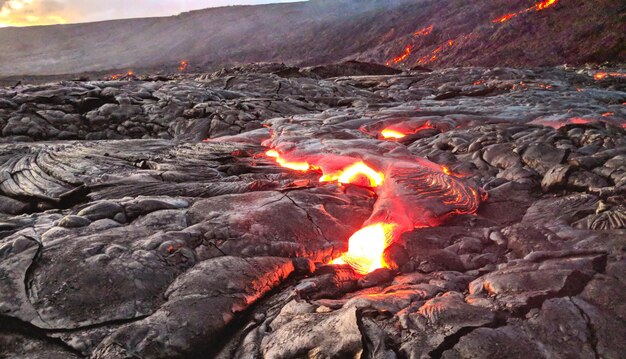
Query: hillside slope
x,y
320,31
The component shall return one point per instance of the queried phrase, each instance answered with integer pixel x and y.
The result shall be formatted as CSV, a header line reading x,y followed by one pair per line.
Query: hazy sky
x,y
44,12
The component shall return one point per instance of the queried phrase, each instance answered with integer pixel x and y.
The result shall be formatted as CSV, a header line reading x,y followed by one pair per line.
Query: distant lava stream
x,y
412,192
433,55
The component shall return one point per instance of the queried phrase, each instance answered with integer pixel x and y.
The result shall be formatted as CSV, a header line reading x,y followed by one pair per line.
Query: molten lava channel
x,y
411,193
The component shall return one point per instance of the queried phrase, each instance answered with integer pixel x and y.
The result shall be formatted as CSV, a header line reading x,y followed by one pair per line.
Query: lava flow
x,y
435,53
604,75
366,246
411,193
537,7
407,50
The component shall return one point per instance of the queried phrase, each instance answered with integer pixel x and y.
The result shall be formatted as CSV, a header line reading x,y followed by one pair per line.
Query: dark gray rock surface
x,y
123,234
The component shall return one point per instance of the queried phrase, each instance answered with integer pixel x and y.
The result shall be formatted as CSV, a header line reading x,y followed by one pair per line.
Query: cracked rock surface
x,y
124,235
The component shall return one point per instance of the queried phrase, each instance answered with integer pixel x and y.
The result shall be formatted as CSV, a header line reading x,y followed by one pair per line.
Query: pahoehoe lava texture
x,y
124,234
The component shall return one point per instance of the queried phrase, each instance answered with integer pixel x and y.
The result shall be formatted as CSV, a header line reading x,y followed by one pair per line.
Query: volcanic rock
x,y
180,236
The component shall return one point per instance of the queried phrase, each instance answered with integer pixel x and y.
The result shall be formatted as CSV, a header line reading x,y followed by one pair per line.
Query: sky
x,y
47,12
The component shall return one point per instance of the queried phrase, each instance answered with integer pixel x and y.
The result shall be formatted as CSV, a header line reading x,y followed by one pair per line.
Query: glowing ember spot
x,y
129,73
387,133
446,170
608,114
366,248
357,174
600,75
183,65
272,153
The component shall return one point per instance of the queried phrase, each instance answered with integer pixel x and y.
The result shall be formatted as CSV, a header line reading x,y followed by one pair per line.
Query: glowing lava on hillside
x,y
407,52
411,193
409,48
401,130
435,53
537,7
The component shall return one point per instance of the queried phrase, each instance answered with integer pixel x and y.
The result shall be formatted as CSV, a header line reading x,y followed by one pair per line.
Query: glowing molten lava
x,y
504,18
403,129
356,174
537,7
366,248
183,65
545,4
407,52
129,73
604,75
423,32
411,192
387,133
296,166
435,53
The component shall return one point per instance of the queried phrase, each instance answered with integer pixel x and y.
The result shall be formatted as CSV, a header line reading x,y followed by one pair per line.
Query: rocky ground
x,y
124,234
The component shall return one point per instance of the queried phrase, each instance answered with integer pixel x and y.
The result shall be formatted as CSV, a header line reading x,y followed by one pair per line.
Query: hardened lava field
x,y
267,211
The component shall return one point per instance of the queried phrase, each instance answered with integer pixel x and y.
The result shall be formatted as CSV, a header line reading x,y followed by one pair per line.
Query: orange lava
x,y
408,49
411,193
183,65
423,32
401,130
129,73
504,18
537,7
366,248
296,166
604,75
387,133
407,52
545,4
435,53
358,173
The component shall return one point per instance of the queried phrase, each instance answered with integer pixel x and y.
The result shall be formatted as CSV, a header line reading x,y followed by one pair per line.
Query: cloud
x,y
32,12
45,12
